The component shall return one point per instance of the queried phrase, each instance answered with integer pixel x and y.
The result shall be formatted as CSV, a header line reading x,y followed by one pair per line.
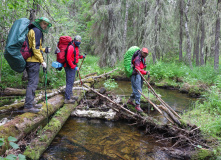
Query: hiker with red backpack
x,y
138,62
35,40
72,57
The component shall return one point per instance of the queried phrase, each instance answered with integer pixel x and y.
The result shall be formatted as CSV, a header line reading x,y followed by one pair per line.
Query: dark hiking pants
x,y
70,76
32,69
137,84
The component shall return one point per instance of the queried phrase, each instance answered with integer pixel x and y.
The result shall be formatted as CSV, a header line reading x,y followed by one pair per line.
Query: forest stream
x,y
92,139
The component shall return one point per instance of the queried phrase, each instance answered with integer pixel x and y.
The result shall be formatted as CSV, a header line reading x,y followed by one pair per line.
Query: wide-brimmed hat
x,y
36,23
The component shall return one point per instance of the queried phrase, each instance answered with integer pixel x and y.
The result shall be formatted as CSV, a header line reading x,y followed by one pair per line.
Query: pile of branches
x,y
183,140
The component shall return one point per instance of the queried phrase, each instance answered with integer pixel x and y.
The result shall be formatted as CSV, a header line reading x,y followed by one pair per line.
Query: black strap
x,y
66,52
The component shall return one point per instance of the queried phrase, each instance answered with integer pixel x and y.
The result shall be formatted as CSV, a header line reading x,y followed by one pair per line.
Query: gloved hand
x,y
84,56
148,73
76,68
47,49
44,65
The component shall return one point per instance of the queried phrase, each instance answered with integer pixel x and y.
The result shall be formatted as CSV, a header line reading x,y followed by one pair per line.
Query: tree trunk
x,y
181,32
188,36
125,29
155,32
202,28
217,37
196,48
25,123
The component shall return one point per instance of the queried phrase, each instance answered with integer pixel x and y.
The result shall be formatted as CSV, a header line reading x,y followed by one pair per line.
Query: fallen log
x,y
44,139
41,95
155,106
135,116
109,115
40,143
14,92
23,124
17,92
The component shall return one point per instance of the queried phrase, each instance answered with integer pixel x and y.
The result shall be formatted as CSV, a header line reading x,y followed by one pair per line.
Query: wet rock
x,y
102,90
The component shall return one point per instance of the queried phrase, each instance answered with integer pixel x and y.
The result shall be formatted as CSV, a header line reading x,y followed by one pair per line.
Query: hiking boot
x,y
66,101
130,102
32,110
138,108
38,106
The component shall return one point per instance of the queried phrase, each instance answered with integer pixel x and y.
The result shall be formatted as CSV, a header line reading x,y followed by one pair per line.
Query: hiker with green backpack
x,y
137,61
35,40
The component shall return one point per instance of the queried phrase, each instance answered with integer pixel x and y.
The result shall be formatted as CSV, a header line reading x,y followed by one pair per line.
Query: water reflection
x,y
96,139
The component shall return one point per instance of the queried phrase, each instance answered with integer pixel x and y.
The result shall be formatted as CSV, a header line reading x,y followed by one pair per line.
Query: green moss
x,y
202,154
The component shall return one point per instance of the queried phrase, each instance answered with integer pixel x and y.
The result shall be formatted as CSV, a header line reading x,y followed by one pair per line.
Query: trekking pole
x,y
81,64
83,88
45,75
148,95
154,93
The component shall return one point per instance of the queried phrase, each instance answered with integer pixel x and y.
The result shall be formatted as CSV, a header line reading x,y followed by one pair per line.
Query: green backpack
x,y
15,40
127,60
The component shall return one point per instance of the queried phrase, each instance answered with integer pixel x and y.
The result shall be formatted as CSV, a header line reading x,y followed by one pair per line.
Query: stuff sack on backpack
x,y
128,58
15,40
63,43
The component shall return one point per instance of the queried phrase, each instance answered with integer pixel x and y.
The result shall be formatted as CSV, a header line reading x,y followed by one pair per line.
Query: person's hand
x,y
148,73
84,56
47,50
44,65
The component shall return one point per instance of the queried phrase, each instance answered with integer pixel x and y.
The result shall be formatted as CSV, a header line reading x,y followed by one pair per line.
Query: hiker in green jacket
x,y
35,40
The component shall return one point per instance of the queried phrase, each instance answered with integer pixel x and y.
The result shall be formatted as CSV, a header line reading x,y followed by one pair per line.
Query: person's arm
x,y
137,66
69,58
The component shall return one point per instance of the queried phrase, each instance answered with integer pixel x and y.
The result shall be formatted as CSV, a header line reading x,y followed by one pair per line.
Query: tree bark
x,y
25,123
188,36
125,28
196,48
181,32
202,28
156,32
217,37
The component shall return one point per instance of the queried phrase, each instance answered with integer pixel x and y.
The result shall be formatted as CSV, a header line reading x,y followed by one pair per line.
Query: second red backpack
x,y
63,43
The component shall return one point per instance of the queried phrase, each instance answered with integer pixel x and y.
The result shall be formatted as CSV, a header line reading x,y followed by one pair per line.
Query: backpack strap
x,y
66,51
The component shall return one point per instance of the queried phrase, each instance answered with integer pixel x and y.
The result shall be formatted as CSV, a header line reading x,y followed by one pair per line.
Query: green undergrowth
x,y
207,115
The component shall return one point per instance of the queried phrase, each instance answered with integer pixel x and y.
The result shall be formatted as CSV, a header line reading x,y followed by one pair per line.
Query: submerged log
x,y
23,124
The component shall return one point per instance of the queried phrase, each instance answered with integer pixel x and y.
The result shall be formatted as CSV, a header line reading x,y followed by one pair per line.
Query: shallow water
x,y
81,138
91,139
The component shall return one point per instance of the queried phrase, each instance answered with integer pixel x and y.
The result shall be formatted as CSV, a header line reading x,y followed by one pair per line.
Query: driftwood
x,y
155,106
119,107
109,115
23,124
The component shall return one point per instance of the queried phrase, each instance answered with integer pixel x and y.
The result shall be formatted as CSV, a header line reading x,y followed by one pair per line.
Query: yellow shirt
x,y
35,43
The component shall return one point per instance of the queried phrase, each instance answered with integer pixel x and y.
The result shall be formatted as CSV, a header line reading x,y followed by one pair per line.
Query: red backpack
x,y
64,42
